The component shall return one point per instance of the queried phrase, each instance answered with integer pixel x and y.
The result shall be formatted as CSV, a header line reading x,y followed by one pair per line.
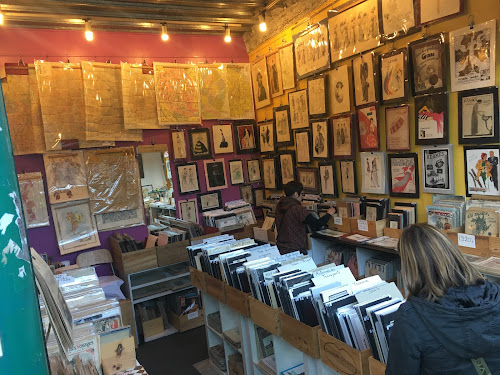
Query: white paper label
x,y
393,225
363,225
466,240
193,315
337,220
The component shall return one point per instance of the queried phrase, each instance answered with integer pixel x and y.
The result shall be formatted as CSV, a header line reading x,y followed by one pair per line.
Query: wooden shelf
x,y
168,331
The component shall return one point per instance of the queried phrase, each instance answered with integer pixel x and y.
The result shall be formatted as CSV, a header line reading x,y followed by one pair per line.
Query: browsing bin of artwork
x,y
33,198
482,218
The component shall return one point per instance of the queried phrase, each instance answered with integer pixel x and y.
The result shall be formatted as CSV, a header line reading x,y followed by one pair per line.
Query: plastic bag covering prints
x,y
33,198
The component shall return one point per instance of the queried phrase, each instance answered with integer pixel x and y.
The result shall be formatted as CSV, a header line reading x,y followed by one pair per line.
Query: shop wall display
x,y
481,165
236,172
343,136
394,76
188,210
287,66
328,179
321,140
299,109
373,173
309,179
187,175
210,201
303,146
365,79
260,82
339,97
431,119
316,95
430,10
215,174
312,54
247,194
200,145
368,128
253,170
437,169
397,122
281,121
287,166
239,81
120,219
179,143
403,175
259,196
348,179
222,136
397,16
267,138
269,173
274,74
214,99
33,198
245,136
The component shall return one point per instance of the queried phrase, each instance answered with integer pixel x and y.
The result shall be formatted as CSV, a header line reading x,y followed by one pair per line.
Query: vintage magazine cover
x,y
481,222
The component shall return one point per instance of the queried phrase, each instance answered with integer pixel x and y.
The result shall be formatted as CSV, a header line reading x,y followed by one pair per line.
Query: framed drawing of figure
x,y
428,65
236,172
274,73
200,145
481,168
246,194
373,173
431,119
267,138
246,136
348,177
309,179
403,175
312,54
368,128
328,179
210,201
320,139
299,109
253,170
287,66
215,174
260,83
431,10
394,76
303,146
287,166
365,79
269,173
316,94
342,136
188,210
281,120
397,132
478,116
397,18
259,196
223,139
437,169
179,145
339,91
187,177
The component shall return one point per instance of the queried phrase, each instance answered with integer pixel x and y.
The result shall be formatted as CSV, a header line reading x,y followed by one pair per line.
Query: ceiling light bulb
x,y
227,38
262,23
89,35
164,33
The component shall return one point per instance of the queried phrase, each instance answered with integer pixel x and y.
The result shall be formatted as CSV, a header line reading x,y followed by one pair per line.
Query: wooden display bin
x,y
300,335
375,228
264,235
172,253
198,240
343,358
152,327
482,248
265,316
247,231
134,261
376,367
215,288
343,224
198,279
128,317
237,300
392,232
184,323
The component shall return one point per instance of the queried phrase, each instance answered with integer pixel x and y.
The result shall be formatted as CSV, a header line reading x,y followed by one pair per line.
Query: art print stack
x,y
402,215
481,218
447,213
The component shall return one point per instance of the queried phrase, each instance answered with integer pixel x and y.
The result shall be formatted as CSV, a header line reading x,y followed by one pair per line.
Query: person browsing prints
x,y
450,323
292,219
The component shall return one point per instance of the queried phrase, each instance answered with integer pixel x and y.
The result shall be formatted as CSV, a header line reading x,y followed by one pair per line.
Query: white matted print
x,y
338,90
373,173
187,175
253,170
437,169
188,210
269,171
397,16
481,168
316,93
299,109
327,179
287,66
223,139
236,172
179,145
260,82
267,137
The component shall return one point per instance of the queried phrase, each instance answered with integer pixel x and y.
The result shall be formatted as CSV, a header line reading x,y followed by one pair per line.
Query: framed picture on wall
x,y
328,179
287,66
223,139
397,132
365,79
260,83
253,170
299,109
430,10
348,177
308,177
437,169
397,17
274,73
246,136
187,177
267,138
368,129
259,196
281,120
320,139
316,94
481,167
431,119
246,194
287,166
188,210
215,174
342,136
236,172
478,116
403,175
394,76
373,173
179,142
303,146
270,174
339,91
200,145
210,201
312,54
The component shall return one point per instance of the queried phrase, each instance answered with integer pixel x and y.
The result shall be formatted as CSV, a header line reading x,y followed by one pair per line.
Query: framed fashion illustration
x,y
368,129
481,170
373,173
397,131
200,145
320,131
430,10
259,196
478,116
245,136
328,179
428,65
316,94
287,166
342,136
431,119
210,201
394,76
299,109
236,172
253,170
179,151
348,177
187,177
437,169
303,145
188,210
223,139
260,83
397,18
215,174
269,172
274,74
287,66
246,194
365,79
339,90
403,175
308,177
281,121
267,138
312,54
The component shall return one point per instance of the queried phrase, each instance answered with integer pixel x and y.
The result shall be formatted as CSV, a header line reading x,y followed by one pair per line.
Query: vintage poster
x,y
120,219
432,10
214,99
282,126
354,30
236,172
481,221
303,146
328,179
33,198
398,16
339,90
316,91
397,120
246,193
274,74
287,66
260,82
200,144
299,109
239,91
215,174
253,170
287,167
437,169
393,76
187,175
309,178
368,128
373,173
179,145
244,132
472,56
478,116
189,210
320,139
311,50
431,119
269,171
210,201
223,139
364,79
259,195
481,168
348,177
429,69
342,136
267,137
403,175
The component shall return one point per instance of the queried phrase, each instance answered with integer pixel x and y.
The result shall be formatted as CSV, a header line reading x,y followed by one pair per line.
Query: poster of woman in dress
x,y
394,76
253,170
482,170
266,134
282,126
342,136
260,82
287,166
368,128
364,79
437,169
339,98
179,145
320,136
299,109
215,174
269,169
223,139
303,146
187,174
245,137
348,176
274,73
431,119
403,175
429,69
312,54
189,210
328,180
373,173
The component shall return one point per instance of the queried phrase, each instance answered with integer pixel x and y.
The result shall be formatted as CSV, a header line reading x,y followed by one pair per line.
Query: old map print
x,y
213,92
239,83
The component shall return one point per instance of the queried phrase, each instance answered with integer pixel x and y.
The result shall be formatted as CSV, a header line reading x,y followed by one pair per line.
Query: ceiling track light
x,y
262,22
227,37
164,32
1,15
89,34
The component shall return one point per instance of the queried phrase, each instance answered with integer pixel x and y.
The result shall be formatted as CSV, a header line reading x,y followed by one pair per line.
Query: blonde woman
x,y
450,323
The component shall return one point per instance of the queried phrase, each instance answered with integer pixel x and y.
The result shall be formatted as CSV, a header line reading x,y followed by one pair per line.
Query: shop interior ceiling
x,y
181,16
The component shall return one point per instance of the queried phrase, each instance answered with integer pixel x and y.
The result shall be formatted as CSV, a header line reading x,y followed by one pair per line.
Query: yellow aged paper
x,y
103,103
213,92
240,91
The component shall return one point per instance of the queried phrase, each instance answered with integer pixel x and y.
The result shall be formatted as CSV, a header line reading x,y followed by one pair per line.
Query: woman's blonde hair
x,y
431,263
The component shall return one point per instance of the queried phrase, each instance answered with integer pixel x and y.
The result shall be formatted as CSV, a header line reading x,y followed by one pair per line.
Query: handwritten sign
x,y
193,315
466,240
337,220
363,225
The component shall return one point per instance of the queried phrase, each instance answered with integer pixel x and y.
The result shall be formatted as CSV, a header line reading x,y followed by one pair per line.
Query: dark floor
x,y
174,354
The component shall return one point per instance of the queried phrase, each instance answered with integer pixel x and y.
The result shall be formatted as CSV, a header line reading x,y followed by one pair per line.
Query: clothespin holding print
x,y
471,21
108,61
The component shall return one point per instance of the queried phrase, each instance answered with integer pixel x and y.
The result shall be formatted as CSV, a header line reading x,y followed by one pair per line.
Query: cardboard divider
x,y
300,335
375,228
392,232
376,367
343,224
264,235
133,261
198,279
343,358
199,239
215,288
495,247
237,300
247,232
265,316
172,253
184,323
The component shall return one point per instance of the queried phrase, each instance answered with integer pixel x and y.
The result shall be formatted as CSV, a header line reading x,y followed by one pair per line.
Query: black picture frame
x,y
315,179
267,141
431,107
472,172
320,96
243,141
391,79
195,150
238,161
176,157
268,183
289,168
181,176
301,147
255,190
399,33
337,139
418,7
282,125
249,168
210,193
317,143
331,167
246,191
349,165
397,190
299,109
365,133
364,71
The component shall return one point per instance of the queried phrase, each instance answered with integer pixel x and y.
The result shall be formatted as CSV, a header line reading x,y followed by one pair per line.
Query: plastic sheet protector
x,y
214,92
239,81
33,198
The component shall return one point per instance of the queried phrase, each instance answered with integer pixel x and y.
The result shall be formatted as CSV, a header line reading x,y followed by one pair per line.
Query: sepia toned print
x,y
299,109
223,139
432,10
397,131
287,66
260,82
320,136
187,175
309,178
328,180
339,90
398,16
267,137
316,90
373,173
303,146
311,50
253,170
364,79
342,136
210,201
269,170
348,176
189,210
281,120
179,145
236,172
274,73
287,166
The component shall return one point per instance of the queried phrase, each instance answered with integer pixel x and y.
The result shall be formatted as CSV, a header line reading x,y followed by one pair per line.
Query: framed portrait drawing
x,y
260,83
403,175
281,120
397,131
259,196
299,109
342,136
274,73
270,174
223,139
339,92
287,166
253,170
303,146
246,194
210,201
308,177
188,210
246,136
394,76
397,17
267,138
365,79
431,10
215,174
478,116
472,56
287,66
373,173
320,139
236,172
200,145
431,119
437,169
428,65
187,177
179,145
481,170
348,177
328,180
312,54
316,94
368,128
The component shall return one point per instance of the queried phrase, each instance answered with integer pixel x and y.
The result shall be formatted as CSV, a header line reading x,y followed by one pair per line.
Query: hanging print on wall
x,y
403,175
431,119
373,173
481,168
437,169
394,76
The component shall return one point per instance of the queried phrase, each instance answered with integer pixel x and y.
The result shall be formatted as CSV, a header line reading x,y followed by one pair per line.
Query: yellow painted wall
x,y
477,10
